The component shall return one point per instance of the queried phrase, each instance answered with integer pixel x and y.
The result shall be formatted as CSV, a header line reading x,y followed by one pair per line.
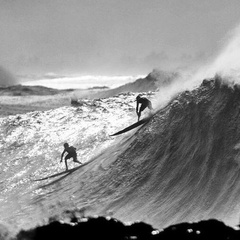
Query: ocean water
x,y
183,165
31,146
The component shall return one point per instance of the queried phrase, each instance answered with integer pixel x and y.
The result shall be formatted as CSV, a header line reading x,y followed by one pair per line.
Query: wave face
x,y
183,165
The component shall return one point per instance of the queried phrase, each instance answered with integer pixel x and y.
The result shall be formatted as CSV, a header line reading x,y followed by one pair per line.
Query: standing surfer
x,y
144,103
71,154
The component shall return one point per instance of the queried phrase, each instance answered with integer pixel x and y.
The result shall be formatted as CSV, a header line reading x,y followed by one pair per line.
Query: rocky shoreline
x,y
110,228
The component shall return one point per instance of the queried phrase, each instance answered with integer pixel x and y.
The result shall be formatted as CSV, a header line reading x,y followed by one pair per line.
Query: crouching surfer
x,y
71,153
144,103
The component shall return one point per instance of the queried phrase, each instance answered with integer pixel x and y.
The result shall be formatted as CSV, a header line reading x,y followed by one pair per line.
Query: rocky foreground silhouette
x,y
110,228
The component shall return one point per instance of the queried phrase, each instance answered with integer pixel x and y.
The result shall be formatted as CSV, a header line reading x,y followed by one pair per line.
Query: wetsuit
x,y
144,103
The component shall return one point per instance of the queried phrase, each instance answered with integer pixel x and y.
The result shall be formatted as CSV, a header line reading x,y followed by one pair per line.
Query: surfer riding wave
x,y
71,154
144,103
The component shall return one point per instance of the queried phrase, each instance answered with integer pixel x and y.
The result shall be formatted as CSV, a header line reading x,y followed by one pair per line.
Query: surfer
x,y
144,103
71,154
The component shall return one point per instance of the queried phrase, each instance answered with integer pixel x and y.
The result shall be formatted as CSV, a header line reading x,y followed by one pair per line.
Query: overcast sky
x,y
112,37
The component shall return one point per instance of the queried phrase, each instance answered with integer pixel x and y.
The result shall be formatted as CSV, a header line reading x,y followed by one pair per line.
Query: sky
x,y
112,37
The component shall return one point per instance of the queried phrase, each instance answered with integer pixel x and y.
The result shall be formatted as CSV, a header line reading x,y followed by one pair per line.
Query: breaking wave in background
x,y
227,62
81,82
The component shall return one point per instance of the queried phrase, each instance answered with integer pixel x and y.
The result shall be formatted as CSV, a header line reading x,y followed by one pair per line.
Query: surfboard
x,y
139,123
65,173
59,174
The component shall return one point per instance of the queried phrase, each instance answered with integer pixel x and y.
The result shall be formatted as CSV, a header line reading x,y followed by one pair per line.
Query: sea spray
x,y
226,64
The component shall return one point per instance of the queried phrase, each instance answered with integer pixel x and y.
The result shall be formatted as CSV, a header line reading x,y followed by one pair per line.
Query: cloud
x,y
196,57
155,58
6,78
141,64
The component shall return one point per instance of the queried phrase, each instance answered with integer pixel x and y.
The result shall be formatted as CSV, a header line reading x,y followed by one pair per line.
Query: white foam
x,y
82,82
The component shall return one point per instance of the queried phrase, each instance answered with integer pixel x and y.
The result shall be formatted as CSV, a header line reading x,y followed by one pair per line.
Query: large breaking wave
x,y
183,165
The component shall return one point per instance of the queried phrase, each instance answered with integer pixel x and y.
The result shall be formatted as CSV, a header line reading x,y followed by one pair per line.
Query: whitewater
x,y
52,80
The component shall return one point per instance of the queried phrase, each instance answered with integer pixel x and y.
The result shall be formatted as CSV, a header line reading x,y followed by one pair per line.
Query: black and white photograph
x,y
119,119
